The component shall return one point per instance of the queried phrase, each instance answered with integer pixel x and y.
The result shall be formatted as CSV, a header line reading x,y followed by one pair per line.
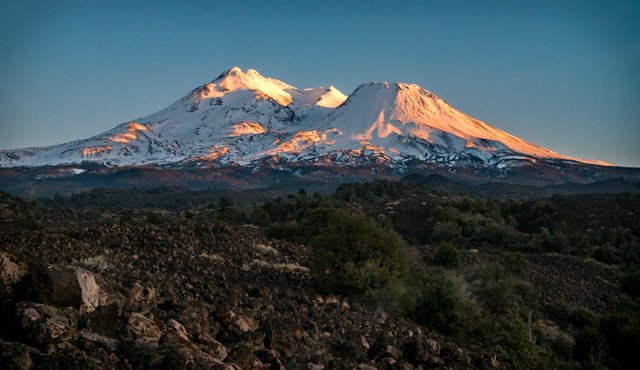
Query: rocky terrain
x,y
188,295
486,284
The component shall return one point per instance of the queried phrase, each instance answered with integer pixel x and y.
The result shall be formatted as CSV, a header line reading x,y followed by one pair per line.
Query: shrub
x,y
258,216
155,218
396,297
514,336
446,255
517,264
446,231
29,221
352,254
435,301
494,285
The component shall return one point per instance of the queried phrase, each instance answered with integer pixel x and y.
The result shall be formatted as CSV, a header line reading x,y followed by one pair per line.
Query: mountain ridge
x,y
244,118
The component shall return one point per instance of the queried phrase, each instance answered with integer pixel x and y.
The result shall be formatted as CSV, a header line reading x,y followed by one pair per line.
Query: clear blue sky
x,y
563,74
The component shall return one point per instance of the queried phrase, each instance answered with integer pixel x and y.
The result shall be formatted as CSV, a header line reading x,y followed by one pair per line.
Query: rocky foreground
x,y
188,295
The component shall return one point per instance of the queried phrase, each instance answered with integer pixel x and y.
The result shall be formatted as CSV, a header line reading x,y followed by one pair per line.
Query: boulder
x,y
236,327
103,320
243,324
178,344
108,343
141,299
109,294
10,274
195,317
214,347
45,325
138,326
284,343
366,367
98,301
243,357
433,347
393,352
69,357
73,286
271,357
176,334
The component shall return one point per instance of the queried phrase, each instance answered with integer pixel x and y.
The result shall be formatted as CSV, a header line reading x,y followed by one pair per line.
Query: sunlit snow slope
x,y
244,117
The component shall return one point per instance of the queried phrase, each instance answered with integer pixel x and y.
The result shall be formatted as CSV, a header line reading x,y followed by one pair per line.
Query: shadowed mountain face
x,y
243,118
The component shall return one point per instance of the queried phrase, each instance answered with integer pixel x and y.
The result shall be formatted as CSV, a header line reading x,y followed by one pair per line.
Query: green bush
x,y
352,254
435,301
155,218
258,216
497,289
446,231
517,264
397,297
446,255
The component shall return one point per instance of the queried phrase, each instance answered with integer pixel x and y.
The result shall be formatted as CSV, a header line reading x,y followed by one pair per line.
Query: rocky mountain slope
x,y
247,119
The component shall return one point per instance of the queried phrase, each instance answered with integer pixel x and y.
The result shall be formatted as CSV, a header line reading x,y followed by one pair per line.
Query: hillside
x,y
416,278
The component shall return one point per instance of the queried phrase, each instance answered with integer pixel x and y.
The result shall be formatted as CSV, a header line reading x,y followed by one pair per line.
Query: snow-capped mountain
x,y
245,118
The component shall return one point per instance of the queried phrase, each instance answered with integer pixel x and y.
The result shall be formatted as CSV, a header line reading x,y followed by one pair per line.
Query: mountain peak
x,y
234,70
237,72
234,79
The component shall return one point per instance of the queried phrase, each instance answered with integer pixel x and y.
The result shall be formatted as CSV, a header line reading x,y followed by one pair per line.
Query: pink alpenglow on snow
x,y
242,117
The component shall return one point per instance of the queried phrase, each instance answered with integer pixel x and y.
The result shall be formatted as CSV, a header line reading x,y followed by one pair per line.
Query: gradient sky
x,y
562,74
